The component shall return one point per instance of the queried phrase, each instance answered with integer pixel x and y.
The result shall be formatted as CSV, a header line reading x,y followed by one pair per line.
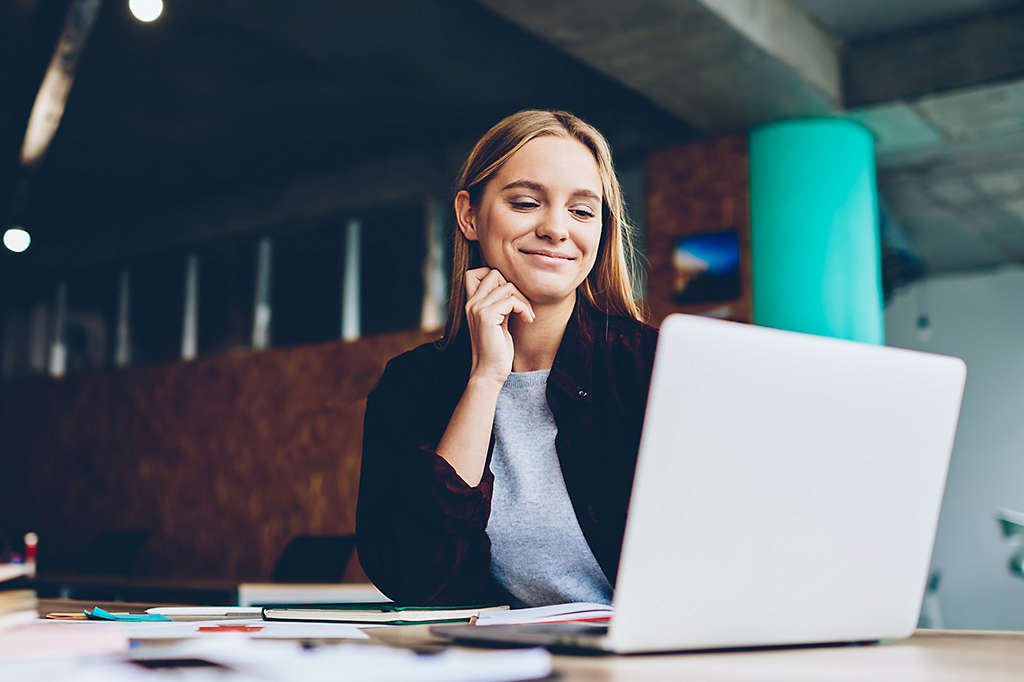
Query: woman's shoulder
x,y
619,341
422,355
622,330
628,327
424,364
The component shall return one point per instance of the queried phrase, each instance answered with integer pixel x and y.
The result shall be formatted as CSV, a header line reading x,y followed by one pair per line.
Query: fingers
x,y
523,306
504,303
482,277
473,278
485,300
485,286
502,300
528,314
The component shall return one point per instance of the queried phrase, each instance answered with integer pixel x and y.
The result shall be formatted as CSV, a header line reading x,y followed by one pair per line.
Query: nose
x,y
554,226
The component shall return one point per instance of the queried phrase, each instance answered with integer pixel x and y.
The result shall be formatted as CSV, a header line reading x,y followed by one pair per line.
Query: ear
x,y
466,216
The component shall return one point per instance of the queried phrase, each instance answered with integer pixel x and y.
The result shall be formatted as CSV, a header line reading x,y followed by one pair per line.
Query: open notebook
x,y
384,613
577,612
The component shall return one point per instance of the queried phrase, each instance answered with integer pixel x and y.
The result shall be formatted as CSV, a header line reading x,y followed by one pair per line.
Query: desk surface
x,y
932,655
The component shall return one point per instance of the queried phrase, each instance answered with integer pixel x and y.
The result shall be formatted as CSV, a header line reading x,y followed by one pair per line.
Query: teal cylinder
x,y
816,256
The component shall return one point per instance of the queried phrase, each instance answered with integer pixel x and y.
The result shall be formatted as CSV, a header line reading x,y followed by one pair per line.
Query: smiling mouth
x,y
547,254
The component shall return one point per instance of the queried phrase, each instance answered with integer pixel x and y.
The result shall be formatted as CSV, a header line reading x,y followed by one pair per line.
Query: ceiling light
x,y
16,239
146,10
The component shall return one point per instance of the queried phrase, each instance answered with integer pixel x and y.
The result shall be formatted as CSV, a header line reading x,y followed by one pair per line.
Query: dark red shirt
x,y
421,530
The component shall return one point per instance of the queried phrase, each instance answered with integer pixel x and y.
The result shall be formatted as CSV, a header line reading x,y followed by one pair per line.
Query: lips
x,y
545,252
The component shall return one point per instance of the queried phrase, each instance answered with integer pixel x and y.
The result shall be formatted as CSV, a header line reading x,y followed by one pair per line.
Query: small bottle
x,y
31,544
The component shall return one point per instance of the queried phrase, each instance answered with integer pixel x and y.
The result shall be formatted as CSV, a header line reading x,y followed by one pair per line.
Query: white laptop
x,y
787,492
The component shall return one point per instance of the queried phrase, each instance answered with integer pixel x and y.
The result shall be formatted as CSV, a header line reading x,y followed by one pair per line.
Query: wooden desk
x,y
930,655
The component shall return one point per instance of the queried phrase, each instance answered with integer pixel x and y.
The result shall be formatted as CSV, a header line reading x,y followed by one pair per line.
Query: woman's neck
x,y
536,343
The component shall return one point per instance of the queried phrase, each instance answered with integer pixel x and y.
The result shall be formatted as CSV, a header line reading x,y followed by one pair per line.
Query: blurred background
x,y
220,218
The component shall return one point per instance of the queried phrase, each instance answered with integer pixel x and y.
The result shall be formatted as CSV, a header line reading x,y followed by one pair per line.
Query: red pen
x,y
230,628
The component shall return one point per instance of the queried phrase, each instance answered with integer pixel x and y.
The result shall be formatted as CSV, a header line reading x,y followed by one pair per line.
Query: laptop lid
x,y
787,489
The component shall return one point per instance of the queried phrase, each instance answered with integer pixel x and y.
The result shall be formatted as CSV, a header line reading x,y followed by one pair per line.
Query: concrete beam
x,y
984,50
719,65
983,123
784,31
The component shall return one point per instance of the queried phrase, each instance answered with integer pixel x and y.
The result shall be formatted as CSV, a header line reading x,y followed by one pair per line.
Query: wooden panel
x,y
700,188
223,460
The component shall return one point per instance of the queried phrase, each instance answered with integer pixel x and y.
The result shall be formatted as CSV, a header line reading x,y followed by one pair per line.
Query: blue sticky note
x,y
97,613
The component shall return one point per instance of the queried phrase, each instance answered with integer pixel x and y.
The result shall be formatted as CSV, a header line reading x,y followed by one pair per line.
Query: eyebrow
x,y
537,187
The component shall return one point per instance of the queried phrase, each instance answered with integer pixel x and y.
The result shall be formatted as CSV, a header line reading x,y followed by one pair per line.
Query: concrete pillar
x,y
814,229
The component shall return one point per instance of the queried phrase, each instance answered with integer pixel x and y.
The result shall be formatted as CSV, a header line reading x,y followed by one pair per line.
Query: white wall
x,y
979,317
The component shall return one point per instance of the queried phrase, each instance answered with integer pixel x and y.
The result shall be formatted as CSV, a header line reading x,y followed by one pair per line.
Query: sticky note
x,y
96,613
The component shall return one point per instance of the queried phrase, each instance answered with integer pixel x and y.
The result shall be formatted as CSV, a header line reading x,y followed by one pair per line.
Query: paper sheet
x,y
244,660
286,661
578,611
54,639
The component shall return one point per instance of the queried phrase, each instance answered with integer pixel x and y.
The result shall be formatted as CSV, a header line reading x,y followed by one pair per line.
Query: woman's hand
x,y
490,300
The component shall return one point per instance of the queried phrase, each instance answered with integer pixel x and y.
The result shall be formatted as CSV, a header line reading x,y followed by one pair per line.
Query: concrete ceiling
x,y
939,82
853,20
263,101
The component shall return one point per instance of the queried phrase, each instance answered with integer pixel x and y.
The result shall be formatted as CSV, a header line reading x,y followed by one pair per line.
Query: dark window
x,y
157,308
305,285
91,322
227,276
393,245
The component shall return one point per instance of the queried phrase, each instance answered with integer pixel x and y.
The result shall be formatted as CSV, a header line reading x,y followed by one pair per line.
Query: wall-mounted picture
x,y
706,268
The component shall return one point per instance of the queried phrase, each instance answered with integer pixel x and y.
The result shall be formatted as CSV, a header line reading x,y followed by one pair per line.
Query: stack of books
x,y
17,598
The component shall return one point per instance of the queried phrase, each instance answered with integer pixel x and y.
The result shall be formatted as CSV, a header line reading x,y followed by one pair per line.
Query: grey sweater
x,y
538,552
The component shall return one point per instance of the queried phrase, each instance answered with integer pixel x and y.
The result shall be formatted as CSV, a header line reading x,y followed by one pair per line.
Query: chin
x,y
546,295
542,287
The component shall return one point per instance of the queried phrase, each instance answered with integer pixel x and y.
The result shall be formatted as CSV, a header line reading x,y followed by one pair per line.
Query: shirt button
x,y
582,395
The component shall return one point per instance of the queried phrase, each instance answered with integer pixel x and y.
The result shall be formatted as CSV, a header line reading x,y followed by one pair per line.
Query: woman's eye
x,y
525,204
583,213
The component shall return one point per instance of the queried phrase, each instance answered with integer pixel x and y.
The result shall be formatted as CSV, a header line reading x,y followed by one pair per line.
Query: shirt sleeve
x,y
420,528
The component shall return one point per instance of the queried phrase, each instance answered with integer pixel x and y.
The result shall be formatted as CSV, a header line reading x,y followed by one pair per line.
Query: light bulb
x,y
146,10
17,239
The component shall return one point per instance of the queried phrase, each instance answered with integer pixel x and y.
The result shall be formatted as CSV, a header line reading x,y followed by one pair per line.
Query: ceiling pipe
x,y
48,108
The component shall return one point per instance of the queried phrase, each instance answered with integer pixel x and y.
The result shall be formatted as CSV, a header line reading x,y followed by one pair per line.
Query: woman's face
x,y
539,219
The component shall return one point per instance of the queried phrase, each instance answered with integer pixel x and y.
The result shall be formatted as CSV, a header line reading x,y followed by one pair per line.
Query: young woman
x,y
498,463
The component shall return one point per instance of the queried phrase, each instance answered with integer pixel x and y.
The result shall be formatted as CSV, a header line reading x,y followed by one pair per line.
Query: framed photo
x,y
706,268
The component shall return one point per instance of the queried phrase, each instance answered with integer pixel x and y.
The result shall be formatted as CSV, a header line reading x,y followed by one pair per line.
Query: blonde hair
x,y
608,286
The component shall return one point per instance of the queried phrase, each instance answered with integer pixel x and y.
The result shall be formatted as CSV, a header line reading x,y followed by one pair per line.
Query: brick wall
x,y
700,188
